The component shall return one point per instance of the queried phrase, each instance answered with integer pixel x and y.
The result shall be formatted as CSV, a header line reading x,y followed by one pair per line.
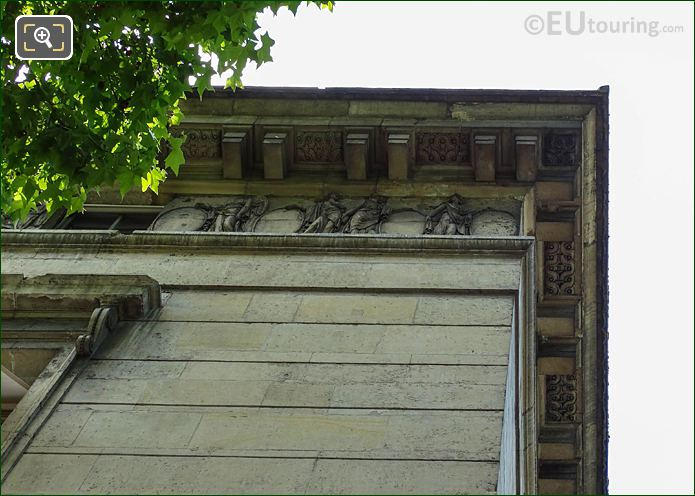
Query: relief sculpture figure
x,y
240,215
367,217
35,220
449,218
324,217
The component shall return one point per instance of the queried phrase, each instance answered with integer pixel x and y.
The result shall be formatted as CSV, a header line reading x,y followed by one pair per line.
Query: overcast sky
x,y
478,45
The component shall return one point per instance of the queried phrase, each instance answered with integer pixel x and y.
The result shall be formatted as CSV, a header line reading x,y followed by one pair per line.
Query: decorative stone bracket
x,y
235,154
100,300
275,155
102,322
485,157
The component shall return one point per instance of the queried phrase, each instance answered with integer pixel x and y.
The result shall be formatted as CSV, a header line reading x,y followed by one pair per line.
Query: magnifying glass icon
x,y
43,35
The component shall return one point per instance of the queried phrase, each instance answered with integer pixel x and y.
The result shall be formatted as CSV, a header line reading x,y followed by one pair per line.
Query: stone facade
x,y
362,291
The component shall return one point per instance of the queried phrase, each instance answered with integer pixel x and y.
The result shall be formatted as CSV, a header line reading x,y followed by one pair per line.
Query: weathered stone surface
x,y
554,190
376,361
256,271
471,435
556,326
134,429
404,109
143,474
63,427
468,310
318,342
49,474
107,390
444,339
357,308
403,477
298,384
215,335
222,306
555,231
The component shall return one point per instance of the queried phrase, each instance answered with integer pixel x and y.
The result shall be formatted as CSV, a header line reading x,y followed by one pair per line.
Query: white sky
x,y
478,45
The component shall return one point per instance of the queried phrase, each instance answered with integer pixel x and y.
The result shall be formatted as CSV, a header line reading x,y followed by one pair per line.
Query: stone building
x,y
344,291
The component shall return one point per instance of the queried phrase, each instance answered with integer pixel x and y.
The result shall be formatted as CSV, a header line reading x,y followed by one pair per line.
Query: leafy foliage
x,y
99,118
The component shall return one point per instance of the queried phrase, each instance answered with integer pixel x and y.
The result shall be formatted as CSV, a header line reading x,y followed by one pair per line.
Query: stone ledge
x,y
145,240
78,294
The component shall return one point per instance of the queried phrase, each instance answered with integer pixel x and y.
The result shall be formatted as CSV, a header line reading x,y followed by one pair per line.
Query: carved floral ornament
x,y
559,262
319,146
442,147
560,150
561,398
201,143
452,217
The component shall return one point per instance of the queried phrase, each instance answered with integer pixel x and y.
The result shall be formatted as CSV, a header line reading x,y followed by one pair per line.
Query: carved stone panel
x,y
561,150
442,148
318,146
559,260
201,143
560,398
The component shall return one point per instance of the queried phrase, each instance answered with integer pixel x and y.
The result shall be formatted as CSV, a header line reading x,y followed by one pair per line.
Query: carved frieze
x,y
449,218
200,142
560,150
367,217
198,217
559,260
442,148
333,214
491,222
453,217
239,215
560,398
325,216
318,146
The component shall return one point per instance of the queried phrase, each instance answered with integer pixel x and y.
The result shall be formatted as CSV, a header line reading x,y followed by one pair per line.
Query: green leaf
x,y
264,50
125,182
175,158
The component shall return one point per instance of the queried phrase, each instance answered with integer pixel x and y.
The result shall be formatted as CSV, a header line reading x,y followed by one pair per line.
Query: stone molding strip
x,y
146,240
